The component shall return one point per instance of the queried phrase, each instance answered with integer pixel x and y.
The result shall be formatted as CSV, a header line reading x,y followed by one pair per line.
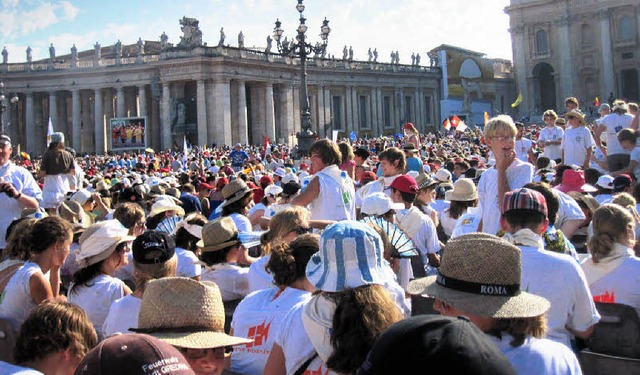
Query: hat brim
x,y
522,305
236,197
199,340
586,188
217,247
450,195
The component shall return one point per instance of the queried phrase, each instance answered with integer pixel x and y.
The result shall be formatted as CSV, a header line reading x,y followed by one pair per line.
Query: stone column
x,y
142,101
75,120
287,125
211,120
53,111
380,100
243,125
270,120
297,121
202,113
608,81
355,105
320,107
374,111
120,105
165,120
98,126
566,64
349,125
30,128
327,110
222,111
397,105
519,59
417,111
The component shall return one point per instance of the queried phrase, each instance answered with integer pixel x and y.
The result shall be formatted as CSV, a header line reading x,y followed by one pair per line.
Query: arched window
x,y
626,28
542,42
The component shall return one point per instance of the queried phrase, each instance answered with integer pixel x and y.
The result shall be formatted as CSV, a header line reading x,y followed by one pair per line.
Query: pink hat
x,y
573,180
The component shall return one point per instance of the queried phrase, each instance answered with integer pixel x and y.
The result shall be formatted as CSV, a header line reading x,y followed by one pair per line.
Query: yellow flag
x,y
518,101
486,117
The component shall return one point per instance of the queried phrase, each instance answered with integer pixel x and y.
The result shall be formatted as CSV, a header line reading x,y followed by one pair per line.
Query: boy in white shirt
x,y
577,142
550,137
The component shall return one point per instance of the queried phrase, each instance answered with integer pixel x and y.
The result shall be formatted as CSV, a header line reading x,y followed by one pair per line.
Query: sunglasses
x,y
218,353
302,230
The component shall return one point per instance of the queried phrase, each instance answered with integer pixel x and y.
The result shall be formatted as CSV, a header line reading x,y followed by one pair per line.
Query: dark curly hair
x,y
288,263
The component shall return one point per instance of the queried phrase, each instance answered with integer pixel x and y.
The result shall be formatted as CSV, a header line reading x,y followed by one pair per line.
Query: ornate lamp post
x,y
302,49
3,105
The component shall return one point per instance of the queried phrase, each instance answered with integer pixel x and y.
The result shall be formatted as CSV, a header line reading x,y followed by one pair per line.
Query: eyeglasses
x,y
141,224
218,353
302,230
503,138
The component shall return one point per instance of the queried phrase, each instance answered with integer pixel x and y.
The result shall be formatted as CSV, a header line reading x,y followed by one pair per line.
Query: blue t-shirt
x,y
414,164
238,158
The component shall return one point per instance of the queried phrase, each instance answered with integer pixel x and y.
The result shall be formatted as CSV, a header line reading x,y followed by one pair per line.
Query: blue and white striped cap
x,y
350,255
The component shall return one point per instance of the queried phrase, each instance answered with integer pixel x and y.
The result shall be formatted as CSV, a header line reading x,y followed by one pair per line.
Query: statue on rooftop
x,y
98,50
370,54
140,46
269,42
375,55
118,48
29,55
350,53
163,40
345,52
52,52
417,59
222,36
241,40
192,35
5,55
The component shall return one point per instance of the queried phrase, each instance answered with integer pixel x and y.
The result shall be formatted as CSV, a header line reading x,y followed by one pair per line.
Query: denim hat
x,y
350,256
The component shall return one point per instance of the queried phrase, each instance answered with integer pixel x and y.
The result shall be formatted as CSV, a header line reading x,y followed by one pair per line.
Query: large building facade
x,y
581,48
213,95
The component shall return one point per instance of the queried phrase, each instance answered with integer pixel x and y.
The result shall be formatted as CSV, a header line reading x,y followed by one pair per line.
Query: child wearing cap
x,y
628,140
578,142
153,258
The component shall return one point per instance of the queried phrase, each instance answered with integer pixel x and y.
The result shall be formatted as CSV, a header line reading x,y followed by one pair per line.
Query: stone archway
x,y
545,87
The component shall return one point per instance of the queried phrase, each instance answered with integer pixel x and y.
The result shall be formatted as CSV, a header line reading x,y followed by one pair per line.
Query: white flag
x,y
49,131
335,135
185,152
461,126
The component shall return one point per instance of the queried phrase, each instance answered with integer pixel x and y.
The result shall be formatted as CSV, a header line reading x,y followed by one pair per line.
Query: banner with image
x,y
127,133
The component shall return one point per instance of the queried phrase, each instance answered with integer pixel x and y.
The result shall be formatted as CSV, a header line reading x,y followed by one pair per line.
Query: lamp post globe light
x,y
3,105
302,49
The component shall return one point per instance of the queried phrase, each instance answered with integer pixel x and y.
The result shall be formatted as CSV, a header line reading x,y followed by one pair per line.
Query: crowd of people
x,y
250,261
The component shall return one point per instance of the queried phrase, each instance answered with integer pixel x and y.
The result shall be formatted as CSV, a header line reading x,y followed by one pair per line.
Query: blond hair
x,y
550,113
143,273
281,224
500,124
610,222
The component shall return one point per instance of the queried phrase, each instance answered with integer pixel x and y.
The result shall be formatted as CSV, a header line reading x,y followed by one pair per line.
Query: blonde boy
x,y
508,173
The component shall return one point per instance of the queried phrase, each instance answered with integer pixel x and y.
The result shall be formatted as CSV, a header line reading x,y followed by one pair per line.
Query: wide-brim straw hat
x,y
218,234
73,212
185,313
577,114
163,205
463,190
234,191
100,240
620,105
480,274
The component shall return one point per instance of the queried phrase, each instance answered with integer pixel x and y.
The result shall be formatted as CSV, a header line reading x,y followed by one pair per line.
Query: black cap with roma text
x,y
152,247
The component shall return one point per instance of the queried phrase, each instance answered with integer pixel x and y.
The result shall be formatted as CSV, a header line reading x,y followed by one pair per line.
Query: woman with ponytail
x,y
284,227
49,243
103,249
612,270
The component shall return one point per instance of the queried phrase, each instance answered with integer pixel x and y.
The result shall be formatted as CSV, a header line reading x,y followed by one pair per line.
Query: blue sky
x,y
407,26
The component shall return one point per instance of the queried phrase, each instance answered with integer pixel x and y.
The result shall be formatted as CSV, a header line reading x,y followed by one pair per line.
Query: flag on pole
x,y
49,131
486,118
185,151
455,120
461,126
353,136
334,135
518,101
446,124
597,102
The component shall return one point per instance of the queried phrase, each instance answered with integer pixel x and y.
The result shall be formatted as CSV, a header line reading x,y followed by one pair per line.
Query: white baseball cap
x,y
280,172
379,204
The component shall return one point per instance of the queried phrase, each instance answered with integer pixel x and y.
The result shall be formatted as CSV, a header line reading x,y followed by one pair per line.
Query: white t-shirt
x,y
259,317
96,299
257,207
448,223
599,156
9,369
123,314
231,279
518,175
559,279
439,205
576,142
619,285
522,149
242,222
568,209
467,223
188,263
17,302
553,134
614,123
635,156
258,276
296,345
538,356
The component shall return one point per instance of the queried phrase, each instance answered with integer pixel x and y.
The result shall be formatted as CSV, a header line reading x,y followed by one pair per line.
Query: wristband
x,y
18,196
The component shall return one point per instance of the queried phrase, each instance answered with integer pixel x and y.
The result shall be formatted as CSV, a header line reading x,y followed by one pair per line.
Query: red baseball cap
x,y
204,185
405,184
266,179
